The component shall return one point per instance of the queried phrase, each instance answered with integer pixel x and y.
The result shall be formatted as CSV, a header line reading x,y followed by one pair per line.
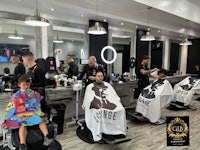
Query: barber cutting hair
x,y
143,73
90,70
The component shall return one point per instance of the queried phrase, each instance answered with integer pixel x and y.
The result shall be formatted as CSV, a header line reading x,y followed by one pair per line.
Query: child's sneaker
x,y
48,140
22,147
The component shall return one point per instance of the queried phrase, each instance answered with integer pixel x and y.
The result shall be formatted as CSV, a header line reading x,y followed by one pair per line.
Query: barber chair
x,y
183,94
35,137
100,103
152,98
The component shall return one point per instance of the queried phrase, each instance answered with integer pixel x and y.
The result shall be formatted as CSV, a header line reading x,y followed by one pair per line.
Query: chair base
x,y
180,106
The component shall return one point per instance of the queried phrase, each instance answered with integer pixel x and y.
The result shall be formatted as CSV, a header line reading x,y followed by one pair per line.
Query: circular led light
x,y
114,57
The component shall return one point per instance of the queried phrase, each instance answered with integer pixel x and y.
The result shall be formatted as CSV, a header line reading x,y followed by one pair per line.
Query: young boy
x,y
24,110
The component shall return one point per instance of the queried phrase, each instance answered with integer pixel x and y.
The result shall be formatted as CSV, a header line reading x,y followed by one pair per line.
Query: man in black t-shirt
x,y
19,69
143,73
90,70
35,72
73,68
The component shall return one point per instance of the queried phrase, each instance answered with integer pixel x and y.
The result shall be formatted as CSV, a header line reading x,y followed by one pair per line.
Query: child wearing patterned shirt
x,y
24,110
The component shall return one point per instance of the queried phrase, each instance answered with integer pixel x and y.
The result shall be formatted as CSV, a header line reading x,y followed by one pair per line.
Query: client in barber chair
x,y
184,91
152,98
24,110
104,112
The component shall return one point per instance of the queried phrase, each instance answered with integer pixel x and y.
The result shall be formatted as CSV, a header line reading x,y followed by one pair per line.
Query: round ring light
x,y
114,57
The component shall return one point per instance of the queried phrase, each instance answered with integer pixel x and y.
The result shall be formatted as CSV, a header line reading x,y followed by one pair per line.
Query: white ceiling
x,y
168,16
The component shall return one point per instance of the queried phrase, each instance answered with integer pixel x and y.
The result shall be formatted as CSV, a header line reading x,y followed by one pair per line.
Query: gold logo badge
x,y
177,128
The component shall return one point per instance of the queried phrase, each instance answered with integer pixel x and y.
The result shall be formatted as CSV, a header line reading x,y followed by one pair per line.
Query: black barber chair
x,y
35,137
85,134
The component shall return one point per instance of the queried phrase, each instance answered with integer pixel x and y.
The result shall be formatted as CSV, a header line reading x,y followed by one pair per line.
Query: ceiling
x,y
167,16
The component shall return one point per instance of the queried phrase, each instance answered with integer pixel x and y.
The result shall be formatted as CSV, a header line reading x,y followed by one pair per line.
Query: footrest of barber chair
x,y
180,106
35,138
160,121
115,139
133,117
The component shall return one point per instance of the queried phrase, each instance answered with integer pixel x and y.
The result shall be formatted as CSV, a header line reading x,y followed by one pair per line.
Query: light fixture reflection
x,y
58,40
185,42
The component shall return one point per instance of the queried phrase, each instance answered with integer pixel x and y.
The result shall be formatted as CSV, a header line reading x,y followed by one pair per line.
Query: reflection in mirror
x,y
15,46
73,45
122,45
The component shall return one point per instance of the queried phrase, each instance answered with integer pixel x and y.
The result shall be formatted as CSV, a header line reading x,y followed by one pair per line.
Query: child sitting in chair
x,y
24,110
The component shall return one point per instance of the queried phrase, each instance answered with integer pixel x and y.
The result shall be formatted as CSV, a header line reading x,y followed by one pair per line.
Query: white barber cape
x,y
104,112
184,90
153,98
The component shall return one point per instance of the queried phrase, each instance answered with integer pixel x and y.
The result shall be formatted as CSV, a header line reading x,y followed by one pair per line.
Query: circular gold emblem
x,y
177,128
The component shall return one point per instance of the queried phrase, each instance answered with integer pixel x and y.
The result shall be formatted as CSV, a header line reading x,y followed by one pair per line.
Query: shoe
x,y
22,147
47,140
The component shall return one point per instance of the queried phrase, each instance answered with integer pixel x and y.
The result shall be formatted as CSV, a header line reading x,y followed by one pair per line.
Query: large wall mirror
x,y
122,44
74,42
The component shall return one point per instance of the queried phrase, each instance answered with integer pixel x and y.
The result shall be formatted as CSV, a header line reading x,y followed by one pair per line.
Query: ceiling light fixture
x,y
58,40
185,41
148,36
97,29
16,36
36,20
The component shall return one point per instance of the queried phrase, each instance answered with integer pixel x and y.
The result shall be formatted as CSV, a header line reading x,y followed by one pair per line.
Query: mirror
x,y
121,42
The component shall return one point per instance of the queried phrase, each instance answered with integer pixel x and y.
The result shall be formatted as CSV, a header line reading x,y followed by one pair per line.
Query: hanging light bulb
x,y
185,41
97,29
15,36
148,36
36,19
58,40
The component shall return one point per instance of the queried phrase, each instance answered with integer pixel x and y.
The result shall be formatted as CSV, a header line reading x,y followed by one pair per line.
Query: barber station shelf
x,y
59,93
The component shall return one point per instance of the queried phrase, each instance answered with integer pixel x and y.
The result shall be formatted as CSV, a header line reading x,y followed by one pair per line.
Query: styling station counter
x,y
125,91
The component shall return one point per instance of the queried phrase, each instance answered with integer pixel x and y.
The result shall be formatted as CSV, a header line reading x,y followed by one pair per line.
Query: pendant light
x,y
36,20
97,29
148,36
15,36
58,40
185,41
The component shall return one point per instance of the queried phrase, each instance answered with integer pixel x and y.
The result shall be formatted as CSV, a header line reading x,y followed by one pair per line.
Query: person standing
x,y
19,69
90,70
73,68
143,73
35,72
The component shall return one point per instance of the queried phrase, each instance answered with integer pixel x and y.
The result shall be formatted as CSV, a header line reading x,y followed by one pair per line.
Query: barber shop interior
x,y
99,74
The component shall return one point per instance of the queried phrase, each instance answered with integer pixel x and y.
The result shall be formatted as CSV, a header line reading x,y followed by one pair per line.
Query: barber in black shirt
x,y
73,68
19,69
35,72
143,73
90,70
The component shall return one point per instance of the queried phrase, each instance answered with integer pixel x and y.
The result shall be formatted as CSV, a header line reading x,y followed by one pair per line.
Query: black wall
x,y
193,56
174,57
141,46
98,42
156,54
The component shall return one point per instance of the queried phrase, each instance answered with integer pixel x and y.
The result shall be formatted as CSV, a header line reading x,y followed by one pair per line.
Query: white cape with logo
x,y
153,98
104,112
184,90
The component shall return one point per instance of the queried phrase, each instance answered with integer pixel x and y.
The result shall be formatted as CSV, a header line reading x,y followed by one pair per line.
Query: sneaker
x,y
22,147
47,140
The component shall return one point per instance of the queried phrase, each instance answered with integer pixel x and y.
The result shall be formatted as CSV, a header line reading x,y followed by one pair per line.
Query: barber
x,y
90,70
18,71
143,73
35,72
72,67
